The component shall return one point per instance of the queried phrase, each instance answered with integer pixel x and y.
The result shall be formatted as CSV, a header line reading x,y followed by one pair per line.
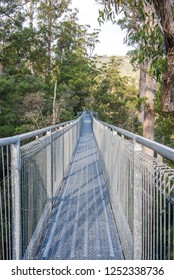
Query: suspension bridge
x,y
85,190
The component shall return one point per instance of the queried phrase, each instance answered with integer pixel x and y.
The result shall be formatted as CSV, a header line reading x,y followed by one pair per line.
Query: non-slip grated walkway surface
x,y
82,224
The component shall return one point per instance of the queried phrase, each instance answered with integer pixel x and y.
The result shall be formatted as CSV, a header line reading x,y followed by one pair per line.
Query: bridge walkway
x,y
82,225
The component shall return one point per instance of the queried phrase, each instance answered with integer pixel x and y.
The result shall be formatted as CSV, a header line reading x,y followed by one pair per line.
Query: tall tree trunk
x,y
31,19
31,11
150,87
49,42
54,104
142,89
1,67
168,83
149,113
163,9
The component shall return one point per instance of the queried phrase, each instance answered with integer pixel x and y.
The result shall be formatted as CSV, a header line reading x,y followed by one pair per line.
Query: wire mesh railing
x,y
32,167
141,189
5,204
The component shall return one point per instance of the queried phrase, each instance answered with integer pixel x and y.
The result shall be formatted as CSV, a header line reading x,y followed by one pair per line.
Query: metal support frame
x,y
143,185
16,201
50,170
148,213
137,222
34,160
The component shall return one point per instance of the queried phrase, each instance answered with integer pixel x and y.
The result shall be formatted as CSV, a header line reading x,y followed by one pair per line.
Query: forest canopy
x,y
48,72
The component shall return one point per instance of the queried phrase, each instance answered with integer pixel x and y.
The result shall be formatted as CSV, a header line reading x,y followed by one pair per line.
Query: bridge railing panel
x,y
5,204
141,189
32,167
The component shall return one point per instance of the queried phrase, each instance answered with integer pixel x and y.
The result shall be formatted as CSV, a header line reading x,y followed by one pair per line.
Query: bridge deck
x,y
82,225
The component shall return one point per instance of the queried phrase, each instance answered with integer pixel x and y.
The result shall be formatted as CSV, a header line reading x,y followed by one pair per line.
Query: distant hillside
x,y
125,67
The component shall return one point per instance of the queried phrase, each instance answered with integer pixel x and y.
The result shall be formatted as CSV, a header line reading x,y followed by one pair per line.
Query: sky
x,y
111,36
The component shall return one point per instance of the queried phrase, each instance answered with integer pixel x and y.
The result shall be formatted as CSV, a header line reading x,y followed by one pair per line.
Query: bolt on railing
x,y
30,177
141,190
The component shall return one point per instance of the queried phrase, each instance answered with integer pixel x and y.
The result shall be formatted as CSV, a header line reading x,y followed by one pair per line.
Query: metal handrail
x,y
161,149
14,139
141,191
31,175
140,187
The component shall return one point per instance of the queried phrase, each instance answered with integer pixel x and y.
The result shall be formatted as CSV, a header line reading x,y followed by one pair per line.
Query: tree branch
x,y
155,14
145,71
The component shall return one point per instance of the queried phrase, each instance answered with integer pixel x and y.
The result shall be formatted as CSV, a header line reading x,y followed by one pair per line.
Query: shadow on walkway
x,y
82,225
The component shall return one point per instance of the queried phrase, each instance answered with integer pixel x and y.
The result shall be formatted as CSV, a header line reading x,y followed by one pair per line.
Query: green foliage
x,y
115,98
43,45
164,129
164,125
148,37
40,44
13,91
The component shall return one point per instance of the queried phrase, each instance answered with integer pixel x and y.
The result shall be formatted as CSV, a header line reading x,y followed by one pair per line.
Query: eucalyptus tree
x,y
20,44
75,72
49,16
11,21
162,12
144,29
139,32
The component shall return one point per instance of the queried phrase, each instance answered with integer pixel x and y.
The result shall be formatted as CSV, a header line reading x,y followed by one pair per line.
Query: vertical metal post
x,y
63,149
50,170
137,223
16,201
